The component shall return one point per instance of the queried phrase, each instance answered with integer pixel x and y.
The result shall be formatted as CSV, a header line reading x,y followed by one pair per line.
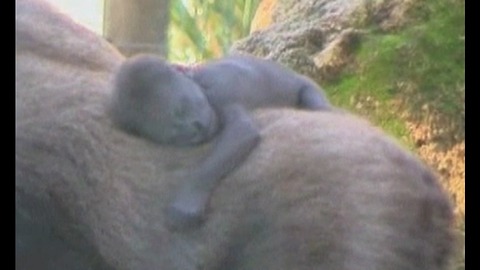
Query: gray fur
x,y
87,196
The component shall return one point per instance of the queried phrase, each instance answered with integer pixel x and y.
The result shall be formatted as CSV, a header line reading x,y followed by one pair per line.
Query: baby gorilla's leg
x,y
312,98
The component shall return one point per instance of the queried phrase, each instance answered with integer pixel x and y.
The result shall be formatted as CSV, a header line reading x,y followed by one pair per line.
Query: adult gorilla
x,y
89,196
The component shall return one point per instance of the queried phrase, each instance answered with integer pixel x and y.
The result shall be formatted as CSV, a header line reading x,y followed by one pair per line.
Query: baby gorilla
x,y
186,106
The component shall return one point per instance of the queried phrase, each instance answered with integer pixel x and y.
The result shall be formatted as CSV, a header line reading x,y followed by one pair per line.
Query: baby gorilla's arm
x,y
235,142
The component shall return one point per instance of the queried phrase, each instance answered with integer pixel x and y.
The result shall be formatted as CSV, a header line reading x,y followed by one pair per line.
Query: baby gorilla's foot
x,y
186,212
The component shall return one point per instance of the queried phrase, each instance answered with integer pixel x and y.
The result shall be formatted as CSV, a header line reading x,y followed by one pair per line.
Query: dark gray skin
x,y
188,106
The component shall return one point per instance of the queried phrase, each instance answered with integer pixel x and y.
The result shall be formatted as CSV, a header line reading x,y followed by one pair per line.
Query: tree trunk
x,y
137,26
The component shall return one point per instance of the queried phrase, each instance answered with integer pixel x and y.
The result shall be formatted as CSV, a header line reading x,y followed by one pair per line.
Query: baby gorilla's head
x,y
155,101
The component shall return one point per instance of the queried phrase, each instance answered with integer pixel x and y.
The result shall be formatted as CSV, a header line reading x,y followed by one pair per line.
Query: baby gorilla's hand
x,y
187,211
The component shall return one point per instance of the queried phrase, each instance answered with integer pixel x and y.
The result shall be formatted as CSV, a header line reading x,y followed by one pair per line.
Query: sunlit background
x,y
86,12
197,30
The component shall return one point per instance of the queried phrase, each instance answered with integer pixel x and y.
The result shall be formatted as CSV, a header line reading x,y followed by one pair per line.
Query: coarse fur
x,y
165,104
341,196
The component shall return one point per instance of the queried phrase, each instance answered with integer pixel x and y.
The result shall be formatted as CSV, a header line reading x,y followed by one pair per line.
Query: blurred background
x,y
196,29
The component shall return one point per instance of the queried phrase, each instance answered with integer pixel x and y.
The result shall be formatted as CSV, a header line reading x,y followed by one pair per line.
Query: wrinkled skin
x,y
180,106
341,195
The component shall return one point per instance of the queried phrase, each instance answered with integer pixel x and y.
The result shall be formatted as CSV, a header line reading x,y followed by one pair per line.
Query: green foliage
x,y
204,29
423,62
435,53
370,97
